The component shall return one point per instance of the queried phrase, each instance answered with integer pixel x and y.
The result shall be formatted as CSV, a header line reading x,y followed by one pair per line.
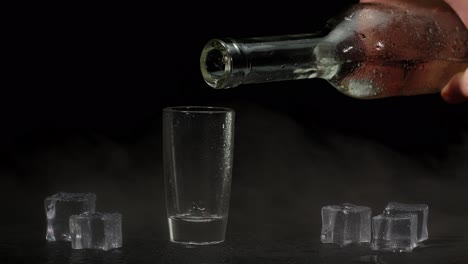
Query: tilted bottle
x,y
374,51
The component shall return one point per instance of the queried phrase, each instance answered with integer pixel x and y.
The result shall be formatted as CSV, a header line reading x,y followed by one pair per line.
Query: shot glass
x,y
198,146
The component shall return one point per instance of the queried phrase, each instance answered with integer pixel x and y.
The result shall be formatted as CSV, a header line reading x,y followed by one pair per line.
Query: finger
x,y
456,91
461,8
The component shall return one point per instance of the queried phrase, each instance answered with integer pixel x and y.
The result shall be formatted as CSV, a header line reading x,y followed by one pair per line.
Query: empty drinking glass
x,y
198,153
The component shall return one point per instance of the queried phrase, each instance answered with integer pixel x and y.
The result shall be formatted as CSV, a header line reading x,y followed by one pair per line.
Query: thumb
x,y
456,91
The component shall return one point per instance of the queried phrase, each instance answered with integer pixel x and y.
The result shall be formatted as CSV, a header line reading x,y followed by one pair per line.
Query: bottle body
x,y
374,51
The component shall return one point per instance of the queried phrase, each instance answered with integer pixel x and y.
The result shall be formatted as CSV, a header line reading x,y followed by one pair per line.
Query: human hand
x,y
456,91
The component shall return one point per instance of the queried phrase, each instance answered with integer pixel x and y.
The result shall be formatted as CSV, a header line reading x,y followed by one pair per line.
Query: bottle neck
x,y
227,63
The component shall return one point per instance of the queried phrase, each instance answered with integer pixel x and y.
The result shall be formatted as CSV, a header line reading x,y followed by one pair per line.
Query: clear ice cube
x,y
397,233
346,224
96,231
421,211
59,207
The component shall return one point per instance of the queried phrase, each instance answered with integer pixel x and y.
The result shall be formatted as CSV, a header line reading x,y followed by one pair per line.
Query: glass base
x,y
190,230
192,243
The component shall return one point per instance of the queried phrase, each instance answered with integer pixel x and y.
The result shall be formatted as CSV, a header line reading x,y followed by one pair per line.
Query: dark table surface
x,y
28,248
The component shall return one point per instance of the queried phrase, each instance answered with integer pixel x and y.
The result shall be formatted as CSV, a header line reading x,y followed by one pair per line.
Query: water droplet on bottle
x,y
283,66
362,35
350,17
379,46
381,75
323,236
374,71
431,31
347,49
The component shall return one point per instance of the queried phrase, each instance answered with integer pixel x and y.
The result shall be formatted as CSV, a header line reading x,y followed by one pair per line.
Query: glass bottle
x,y
374,51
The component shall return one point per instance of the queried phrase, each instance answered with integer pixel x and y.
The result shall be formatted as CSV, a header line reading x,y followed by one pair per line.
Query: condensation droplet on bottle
x,y
381,75
379,46
431,31
374,71
347,49
362,35
283,66
350,17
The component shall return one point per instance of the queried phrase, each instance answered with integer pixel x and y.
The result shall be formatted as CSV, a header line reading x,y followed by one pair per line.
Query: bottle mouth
x,y
216,63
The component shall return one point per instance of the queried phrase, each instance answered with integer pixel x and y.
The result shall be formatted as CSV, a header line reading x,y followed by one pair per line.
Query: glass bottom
x,y
196,230
191,243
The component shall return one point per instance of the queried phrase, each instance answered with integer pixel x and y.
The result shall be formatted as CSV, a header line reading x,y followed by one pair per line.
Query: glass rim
x,y
198,109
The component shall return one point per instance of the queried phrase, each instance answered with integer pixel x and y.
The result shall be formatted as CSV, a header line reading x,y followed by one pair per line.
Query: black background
x,y
81,111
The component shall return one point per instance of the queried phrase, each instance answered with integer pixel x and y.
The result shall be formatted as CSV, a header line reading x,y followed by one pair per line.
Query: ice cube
x,y
59,207
397,233
421,211
96,231
346,224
